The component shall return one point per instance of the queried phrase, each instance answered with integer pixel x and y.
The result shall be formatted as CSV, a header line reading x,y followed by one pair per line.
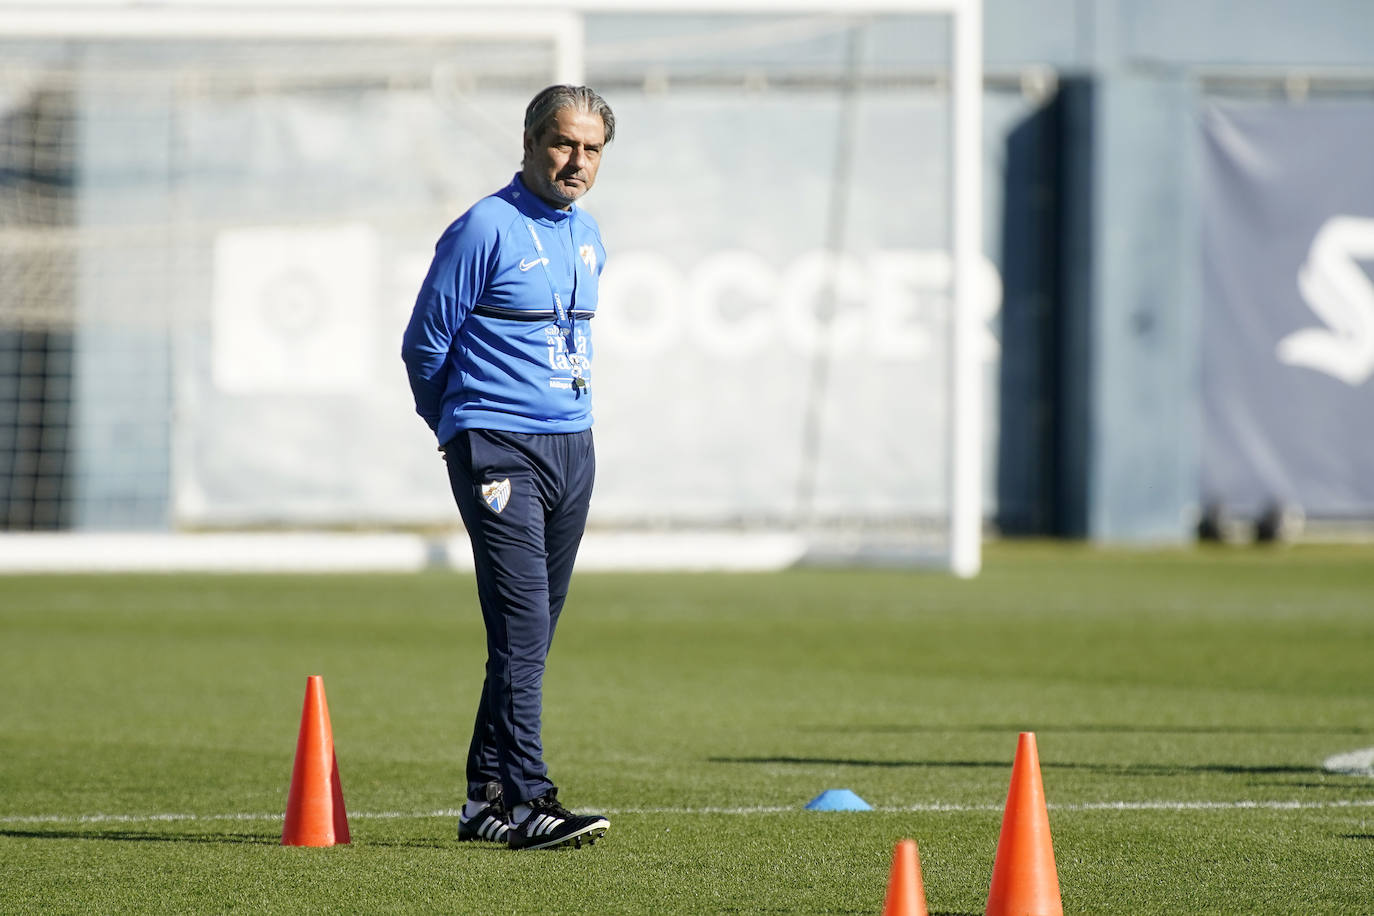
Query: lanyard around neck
x,y
558,308
561,312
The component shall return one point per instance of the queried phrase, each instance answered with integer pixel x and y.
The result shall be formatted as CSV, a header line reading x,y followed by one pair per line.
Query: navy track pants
x,y
524,499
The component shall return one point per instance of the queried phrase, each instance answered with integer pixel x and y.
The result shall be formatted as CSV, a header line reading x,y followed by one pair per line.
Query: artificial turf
x,y
1183,703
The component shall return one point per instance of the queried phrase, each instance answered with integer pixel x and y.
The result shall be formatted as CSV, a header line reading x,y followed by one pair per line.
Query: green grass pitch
x,y
1183,702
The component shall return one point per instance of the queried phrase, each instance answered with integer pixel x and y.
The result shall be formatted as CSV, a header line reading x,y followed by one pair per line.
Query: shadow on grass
x,y
1122,729
144,836
1335,782
789,910
1116,769
250,839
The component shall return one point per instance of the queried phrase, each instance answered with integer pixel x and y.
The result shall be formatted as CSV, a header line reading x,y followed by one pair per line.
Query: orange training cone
x,y
315,813
905,894
1024,879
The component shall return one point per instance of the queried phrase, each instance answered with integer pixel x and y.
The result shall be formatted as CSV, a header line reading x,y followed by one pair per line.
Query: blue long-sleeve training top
x,y
500,337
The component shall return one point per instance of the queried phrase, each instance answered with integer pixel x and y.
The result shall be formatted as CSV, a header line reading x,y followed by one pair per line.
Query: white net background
x,y
208,251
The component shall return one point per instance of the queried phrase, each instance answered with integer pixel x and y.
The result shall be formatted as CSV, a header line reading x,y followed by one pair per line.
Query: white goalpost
x,y
222,210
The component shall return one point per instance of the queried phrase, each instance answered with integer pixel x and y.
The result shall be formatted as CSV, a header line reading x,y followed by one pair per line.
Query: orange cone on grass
x,y
315,813
1024,879
906,896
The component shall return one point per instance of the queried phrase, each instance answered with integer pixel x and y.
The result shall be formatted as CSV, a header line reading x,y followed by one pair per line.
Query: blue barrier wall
x,y
1101,386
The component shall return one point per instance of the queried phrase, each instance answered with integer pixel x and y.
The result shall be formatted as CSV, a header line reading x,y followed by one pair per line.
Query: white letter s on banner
x,y
1339,291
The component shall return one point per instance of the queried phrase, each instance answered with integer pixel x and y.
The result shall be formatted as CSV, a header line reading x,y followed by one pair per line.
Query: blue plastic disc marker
x,y
838,800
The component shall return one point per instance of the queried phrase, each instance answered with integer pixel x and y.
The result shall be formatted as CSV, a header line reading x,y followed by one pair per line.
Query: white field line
x,y
1275,805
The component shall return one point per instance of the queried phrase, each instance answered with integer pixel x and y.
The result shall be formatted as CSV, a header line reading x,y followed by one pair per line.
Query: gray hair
x,y
545,106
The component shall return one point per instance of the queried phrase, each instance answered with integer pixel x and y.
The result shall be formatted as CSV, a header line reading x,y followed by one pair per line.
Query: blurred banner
x,y
1288,362
772,337
756,362
221,243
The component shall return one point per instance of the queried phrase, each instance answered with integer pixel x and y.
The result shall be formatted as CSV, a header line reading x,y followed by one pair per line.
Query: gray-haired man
x,y
498,351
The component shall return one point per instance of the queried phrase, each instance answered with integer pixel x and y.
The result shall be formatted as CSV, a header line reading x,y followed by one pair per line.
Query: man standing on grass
x,y
498,351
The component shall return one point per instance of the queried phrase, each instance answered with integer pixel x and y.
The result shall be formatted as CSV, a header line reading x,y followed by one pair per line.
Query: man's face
x,y
561,163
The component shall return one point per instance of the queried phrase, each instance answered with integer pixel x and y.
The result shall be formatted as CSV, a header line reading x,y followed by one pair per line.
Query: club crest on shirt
x,y
496,494
588,254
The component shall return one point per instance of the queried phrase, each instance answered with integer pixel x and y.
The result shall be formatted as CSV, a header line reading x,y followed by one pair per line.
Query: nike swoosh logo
x,y
526,265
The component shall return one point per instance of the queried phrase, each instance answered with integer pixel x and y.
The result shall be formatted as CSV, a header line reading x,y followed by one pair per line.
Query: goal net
x,y
210,242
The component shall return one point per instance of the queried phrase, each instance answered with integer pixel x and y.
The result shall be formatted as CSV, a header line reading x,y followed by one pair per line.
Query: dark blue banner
x,y
1288,326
